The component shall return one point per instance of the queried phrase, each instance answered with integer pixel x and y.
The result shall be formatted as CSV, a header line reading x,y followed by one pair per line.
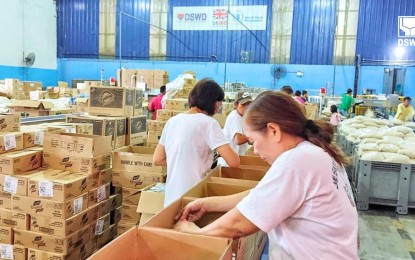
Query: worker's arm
x,y
159,157
240,139
398,111
229,155
232,225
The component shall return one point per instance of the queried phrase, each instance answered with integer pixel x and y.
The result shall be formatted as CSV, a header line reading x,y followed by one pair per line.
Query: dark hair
x,y
205,95
287,89
282,109
162,89
349,90
333,108
407,98
297,93
305,92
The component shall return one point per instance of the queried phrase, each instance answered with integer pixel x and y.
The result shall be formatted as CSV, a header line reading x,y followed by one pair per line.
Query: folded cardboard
x,y
5,200
145,243
61,188
49,208
135,159
124,227
64,227
109,205
76,144
9,123
77,164
136,130
129,213
238,173
20,161
6,235
136,180
99,194
11,141
144,218
111,101
62,245
14,219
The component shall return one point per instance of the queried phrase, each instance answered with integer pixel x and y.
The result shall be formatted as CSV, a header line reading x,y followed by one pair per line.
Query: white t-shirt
x,y
233,126
189,141
307,208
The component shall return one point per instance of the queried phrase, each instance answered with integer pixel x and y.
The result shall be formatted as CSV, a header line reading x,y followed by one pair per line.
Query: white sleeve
x,y
276,197
215,136
235,127
162,140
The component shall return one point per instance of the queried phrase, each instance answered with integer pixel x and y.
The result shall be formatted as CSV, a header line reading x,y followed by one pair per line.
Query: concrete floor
x,y
384,234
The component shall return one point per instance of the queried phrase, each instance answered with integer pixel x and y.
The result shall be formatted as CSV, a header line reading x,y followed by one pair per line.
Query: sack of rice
x,y
391,148
396,158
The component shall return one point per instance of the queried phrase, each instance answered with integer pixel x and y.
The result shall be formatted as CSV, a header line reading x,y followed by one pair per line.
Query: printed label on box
x,y
9,142
6,251
10,184
77,205
45,188
39,137
99,227
101,193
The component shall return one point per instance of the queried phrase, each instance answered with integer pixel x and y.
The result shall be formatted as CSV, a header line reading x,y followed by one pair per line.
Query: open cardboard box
x,y
155,243
238,173
253,162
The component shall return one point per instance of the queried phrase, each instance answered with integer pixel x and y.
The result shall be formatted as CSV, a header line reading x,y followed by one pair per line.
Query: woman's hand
x,y
187,227
192,211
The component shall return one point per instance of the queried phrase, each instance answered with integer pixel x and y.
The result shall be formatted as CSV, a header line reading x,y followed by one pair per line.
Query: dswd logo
x,y
406,31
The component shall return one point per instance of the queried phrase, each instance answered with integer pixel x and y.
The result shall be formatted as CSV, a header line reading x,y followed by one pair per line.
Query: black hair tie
x,y
311,126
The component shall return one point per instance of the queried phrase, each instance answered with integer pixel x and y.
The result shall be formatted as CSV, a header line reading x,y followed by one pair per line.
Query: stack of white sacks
x,y
381,140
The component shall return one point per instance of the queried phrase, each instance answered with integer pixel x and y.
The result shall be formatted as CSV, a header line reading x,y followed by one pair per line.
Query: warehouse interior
x,y
85,156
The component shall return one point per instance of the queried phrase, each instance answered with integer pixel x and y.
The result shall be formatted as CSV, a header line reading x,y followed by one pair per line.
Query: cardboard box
x,y
99,226
76,144
29,139
153,137
238,173
177,104
62,245
120,133
253,162
9,123
77,164
116,216
19,252
110,204
131,196
161,78
144,218
20,162
10,142
99,194
209,188
6,235
31,108
82,252
5,200
136,130
164,114
111,101
138,102
135,159
106,236
136,180
124,227
63,187
13,219
75,128
145,243
49,208
129,213
151,200
104,177
81,105
64,227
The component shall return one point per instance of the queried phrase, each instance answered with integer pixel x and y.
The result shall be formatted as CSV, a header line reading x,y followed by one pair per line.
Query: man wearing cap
x,y
233,125
405,110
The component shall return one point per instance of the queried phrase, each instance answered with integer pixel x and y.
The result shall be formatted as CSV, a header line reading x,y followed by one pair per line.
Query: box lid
x,y
32,104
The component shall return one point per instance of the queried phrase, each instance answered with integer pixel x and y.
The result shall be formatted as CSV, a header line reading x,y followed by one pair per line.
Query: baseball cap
x,y
243,97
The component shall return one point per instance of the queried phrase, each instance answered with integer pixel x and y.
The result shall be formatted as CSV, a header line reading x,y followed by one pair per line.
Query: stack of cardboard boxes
x,y
153,79
134,172
69,212
15,89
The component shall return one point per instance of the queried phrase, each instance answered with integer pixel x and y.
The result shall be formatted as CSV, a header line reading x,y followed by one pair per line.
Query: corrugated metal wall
x,y
200,45
377,34
78,28
313,32
135,33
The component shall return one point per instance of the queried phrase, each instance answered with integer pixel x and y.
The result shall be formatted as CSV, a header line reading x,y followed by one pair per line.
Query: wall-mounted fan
x,y
277,72
30,59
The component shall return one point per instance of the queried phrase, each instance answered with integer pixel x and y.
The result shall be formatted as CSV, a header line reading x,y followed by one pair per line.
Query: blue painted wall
x,y
48,77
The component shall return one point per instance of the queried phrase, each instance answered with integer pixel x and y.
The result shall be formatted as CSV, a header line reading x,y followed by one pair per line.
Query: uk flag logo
x,y
220,14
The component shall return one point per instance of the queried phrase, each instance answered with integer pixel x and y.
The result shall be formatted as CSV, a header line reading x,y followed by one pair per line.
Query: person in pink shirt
x,y
304,202
335,117
298,97
155,103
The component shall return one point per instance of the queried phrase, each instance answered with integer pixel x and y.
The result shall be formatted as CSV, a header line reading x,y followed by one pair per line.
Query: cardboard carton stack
x,y
152,79
31,108
134,172
15,89
155,129
70,212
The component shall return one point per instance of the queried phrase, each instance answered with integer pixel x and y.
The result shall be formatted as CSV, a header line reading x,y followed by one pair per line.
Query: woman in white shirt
x,y
304,202
233,126
188,140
